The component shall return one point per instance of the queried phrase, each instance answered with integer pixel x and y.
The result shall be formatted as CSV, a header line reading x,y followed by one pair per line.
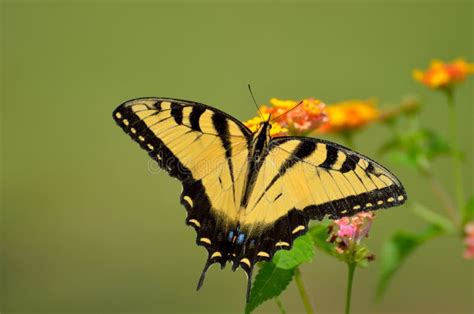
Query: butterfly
x,y
247,194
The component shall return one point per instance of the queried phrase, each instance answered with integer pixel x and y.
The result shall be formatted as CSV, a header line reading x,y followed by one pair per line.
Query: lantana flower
x,y
408,106
469,240
347,234
276,130
291,118
349,115
443,75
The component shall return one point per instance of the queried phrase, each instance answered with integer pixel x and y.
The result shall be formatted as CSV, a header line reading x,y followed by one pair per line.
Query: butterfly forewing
x,y
204,148
315,178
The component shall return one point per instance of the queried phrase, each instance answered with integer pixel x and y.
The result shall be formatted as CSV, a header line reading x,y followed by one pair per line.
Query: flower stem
x,y
303,294
441,194
280,305
350,277
456,162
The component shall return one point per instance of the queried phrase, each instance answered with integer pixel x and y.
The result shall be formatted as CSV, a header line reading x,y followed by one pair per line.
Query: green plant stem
x,y
280,305
303,294
456,162
442,195
350,277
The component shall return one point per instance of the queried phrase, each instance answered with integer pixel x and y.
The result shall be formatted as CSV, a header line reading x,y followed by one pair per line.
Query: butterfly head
x,y
264,129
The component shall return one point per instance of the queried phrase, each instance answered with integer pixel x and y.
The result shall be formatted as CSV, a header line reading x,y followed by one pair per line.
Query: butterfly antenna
x,y
288,110
254,101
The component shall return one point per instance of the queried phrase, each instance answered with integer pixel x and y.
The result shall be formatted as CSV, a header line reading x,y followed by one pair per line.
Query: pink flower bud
x,y
469,240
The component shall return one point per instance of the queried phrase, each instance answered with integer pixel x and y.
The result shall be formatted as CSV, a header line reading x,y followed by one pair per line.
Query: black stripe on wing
x,y
177,113
222,127
390,196
195,116
349,164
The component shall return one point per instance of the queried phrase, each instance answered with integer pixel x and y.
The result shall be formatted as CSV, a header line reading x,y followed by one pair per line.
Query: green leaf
x,y
434,144
468,211
433,218
397,249
417,148
319,233
269,283
405,159
273,278
301,252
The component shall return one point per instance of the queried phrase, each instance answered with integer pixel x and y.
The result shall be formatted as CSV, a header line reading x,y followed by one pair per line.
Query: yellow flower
x,y
276,130
440,74
349,115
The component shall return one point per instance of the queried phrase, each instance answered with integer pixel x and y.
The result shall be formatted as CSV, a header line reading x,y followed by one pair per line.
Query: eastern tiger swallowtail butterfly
x,y
247,194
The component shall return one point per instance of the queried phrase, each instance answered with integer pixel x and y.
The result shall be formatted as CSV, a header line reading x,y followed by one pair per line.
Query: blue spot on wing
x,y
240,238
230,236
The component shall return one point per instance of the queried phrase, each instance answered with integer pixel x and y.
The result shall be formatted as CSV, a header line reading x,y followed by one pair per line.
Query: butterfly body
x,y
247,194
259,145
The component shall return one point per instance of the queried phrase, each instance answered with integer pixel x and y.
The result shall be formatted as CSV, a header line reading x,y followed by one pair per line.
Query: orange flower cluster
x,y
349,115
291,118
313,115
299,120
442,75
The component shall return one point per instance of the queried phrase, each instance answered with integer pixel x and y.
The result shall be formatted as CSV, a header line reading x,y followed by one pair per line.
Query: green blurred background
x,y
88,227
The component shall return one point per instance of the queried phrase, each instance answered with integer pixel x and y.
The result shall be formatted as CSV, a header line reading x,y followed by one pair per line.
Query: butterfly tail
x,y
203,275
215,257
249,285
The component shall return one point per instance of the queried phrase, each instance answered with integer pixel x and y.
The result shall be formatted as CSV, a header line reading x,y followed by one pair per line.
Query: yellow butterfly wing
x,y
305,178
203,147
